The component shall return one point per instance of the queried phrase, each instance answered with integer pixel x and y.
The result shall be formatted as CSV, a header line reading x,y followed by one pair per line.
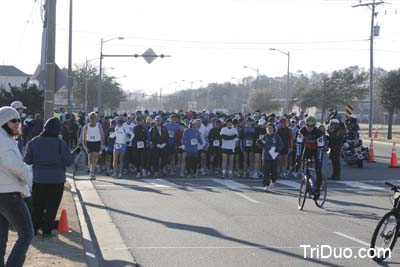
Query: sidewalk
x,y
64,250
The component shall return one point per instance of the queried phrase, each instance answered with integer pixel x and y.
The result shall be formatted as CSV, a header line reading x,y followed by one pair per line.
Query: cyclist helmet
x,y
310,121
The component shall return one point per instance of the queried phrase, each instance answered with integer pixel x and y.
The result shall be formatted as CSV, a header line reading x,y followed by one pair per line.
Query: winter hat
x,y
7,114
52,127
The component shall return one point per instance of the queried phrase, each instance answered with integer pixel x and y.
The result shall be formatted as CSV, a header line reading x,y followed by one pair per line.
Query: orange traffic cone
x,y
63,224
393,160
371,152
376,133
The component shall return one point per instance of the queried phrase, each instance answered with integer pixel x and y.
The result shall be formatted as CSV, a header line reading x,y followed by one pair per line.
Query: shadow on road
x,y
211,232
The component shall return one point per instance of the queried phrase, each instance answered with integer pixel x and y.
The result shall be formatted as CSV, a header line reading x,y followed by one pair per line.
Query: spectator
x,y
159,140
49,157
37,125
13,185
272,145
286,136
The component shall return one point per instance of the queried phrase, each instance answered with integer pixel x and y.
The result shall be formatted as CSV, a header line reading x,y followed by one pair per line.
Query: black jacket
x,y
156,138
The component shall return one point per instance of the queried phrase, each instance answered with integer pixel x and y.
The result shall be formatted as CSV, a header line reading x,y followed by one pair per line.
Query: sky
x,y
209,41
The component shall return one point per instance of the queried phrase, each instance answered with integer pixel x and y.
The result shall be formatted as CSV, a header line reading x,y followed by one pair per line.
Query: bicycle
x,y
308,186
387,228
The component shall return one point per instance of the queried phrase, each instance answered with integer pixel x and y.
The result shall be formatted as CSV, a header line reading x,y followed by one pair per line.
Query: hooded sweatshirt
x,y
48,155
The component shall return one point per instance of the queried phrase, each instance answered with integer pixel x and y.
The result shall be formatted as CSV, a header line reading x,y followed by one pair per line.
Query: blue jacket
x,y
190,139
172,128
49,157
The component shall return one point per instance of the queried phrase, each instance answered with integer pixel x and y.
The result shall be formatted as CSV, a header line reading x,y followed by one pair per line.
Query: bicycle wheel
x,y
387,229
302,194
322,197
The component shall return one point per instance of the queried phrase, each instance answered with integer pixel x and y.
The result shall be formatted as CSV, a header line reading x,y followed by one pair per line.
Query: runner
x,y
93,142
229,136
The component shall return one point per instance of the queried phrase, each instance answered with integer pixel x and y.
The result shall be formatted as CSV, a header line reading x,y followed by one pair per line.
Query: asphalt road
x,y
213,222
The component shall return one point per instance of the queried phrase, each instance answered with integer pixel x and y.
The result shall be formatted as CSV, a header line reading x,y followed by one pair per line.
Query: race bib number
x,y
249,143
140,144
216,143
193,141
171,134
92,137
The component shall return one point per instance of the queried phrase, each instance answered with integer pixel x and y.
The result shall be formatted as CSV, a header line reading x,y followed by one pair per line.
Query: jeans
x,y
13,211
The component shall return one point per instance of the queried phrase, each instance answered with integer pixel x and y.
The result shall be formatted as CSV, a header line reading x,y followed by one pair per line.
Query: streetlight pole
x,y
258,74
288,74
100,92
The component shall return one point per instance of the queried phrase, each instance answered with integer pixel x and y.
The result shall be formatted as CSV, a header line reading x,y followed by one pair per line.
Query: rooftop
x,y
11,71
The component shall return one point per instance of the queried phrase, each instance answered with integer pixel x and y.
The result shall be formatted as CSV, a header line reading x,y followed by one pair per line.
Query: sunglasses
x,y
15,120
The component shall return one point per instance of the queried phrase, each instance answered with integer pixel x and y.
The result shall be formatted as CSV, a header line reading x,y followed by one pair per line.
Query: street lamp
x,y
192,82
86,85
288,74
258,74
99,101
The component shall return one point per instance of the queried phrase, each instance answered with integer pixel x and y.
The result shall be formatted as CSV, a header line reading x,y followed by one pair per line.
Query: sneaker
x,y
181,174
266,188
223,174
244,175
255,175
230,174
271,187
144,174
138,175
92,177
120,175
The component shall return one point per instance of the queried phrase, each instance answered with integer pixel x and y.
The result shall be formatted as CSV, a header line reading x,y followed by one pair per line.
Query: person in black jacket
x,y
336,138
215,141
140,144
159,140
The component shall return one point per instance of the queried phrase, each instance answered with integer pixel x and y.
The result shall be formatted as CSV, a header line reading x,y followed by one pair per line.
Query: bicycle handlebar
x,y
393,187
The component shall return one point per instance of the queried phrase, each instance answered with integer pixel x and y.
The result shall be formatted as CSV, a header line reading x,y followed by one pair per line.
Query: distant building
x,y
12,75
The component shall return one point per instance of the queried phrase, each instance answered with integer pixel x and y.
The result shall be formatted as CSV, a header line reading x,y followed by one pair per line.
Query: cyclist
x,y
310,145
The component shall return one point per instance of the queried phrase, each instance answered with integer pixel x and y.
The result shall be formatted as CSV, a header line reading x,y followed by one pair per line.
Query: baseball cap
x,y
158,118
17,105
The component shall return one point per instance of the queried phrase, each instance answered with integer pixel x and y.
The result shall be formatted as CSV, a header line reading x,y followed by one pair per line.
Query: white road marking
x,y
231,184
248,198
361,185
352,238
220,247
160,183
289,183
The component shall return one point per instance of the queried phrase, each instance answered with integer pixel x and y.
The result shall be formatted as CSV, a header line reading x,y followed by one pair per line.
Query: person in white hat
x,y
14,176
18,106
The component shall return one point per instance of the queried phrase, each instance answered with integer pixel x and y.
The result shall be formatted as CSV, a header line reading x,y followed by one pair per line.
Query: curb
x,y
90,254
110,242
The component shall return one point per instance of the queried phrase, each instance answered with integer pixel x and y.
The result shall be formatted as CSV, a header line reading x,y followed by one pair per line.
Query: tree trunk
x,y
390,122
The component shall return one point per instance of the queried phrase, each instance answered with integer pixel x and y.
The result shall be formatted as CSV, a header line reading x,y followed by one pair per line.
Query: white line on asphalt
x,y
248,198
231,184
221,247
160,183
361,185
352,238
289,183
227,247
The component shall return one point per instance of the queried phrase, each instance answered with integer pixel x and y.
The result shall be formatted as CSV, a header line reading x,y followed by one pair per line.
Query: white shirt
x,y
93,133
120,136
229,144
129,129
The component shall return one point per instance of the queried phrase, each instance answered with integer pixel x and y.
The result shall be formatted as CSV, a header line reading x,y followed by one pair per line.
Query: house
x,y
12,75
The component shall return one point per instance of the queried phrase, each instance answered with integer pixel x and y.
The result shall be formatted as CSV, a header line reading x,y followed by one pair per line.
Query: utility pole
x,y
371,5
69,79
50,58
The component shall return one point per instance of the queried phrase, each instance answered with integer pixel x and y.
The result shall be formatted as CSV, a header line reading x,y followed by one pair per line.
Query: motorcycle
x,y
354,153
